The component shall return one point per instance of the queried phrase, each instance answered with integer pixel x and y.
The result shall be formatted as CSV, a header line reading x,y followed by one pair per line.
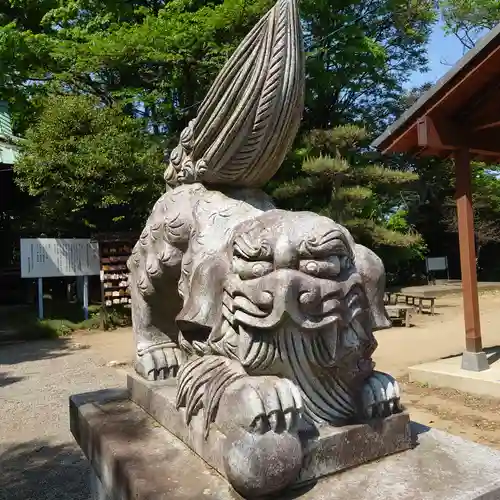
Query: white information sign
x,y
437,263
50,257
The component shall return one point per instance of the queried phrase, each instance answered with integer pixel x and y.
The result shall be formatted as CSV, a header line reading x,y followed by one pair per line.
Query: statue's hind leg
x,y
154,273
157,353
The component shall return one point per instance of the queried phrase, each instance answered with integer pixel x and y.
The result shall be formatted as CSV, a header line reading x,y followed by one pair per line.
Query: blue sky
x,y
444,51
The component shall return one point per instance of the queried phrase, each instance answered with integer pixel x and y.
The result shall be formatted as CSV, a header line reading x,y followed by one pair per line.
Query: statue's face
x,y
293,288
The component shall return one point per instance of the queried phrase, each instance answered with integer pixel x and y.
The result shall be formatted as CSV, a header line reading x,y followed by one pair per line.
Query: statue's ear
x,y
204,301
371,269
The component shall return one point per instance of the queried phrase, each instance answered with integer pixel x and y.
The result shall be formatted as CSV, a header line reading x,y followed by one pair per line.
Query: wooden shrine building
x,y
459,117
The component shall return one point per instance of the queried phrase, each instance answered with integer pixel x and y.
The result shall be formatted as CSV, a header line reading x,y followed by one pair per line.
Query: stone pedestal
x,y
97,491
135,457
326,452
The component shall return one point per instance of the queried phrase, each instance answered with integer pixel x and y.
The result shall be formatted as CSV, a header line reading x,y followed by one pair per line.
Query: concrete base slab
x,y
353,444
449,373
443,289
133,457
441,467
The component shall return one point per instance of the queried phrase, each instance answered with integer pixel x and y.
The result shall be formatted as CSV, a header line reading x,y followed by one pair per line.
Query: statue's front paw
x,y
262,404
380,396
159,362
265,454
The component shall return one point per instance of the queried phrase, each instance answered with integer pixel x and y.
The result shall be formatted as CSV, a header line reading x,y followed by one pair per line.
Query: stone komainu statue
x,y
264,316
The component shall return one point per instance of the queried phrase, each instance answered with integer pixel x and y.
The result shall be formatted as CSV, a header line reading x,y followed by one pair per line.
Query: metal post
x,y
474,358
104,315
40,298
86,297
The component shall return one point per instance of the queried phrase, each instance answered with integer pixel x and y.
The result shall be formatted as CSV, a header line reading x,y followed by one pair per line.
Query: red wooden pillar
x,y
474,358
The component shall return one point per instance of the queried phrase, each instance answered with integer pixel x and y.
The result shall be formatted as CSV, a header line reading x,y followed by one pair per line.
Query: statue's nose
x,y
285,255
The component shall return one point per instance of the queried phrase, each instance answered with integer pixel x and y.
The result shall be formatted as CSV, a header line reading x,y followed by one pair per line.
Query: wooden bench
x,y
401,313
419,301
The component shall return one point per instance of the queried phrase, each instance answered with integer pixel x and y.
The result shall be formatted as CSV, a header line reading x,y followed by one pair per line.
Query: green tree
x,y
160,57
134,71
360,55
341,180
90,167
486,203
155,58
468,20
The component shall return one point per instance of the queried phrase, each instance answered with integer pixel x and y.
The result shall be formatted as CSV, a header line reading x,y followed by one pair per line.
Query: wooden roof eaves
x,y
454,76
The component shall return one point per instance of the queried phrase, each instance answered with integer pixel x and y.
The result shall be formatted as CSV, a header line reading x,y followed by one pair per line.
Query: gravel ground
x,y
39,460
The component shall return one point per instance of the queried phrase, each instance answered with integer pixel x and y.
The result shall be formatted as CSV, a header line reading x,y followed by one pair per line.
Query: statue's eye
x,y
345,262
251,270
243,250
312,267
261,268
329,267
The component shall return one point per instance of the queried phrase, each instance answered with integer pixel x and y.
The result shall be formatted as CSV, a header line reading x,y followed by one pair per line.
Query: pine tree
x,y
340,178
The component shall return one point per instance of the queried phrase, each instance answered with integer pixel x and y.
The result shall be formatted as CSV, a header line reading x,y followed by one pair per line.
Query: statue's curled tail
x,y
249,119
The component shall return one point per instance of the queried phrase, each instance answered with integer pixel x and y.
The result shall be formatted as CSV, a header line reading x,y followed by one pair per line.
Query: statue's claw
x,y
380,396
159,362
264,404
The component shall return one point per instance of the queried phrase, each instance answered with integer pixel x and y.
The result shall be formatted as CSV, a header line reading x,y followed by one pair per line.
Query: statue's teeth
x,y
228,301
246,341
227,313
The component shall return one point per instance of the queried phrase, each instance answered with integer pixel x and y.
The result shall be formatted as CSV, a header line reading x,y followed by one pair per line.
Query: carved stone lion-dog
x,y
265,317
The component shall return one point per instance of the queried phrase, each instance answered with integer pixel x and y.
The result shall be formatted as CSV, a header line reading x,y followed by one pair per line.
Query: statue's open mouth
x,y
288,323
328,316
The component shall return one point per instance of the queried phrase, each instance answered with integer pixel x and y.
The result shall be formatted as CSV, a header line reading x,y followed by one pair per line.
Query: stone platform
x,y
134,457
354,444
449,374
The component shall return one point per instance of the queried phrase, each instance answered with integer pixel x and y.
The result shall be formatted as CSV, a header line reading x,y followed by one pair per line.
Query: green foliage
x,y
468,19
486,203
360,54
92,84
91,167
486,184
156,57
115,317
327,166
61,319
54,328
398,221
340,180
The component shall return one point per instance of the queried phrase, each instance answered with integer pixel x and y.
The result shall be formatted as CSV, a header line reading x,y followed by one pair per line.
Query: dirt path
x,y
474,418
434,337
